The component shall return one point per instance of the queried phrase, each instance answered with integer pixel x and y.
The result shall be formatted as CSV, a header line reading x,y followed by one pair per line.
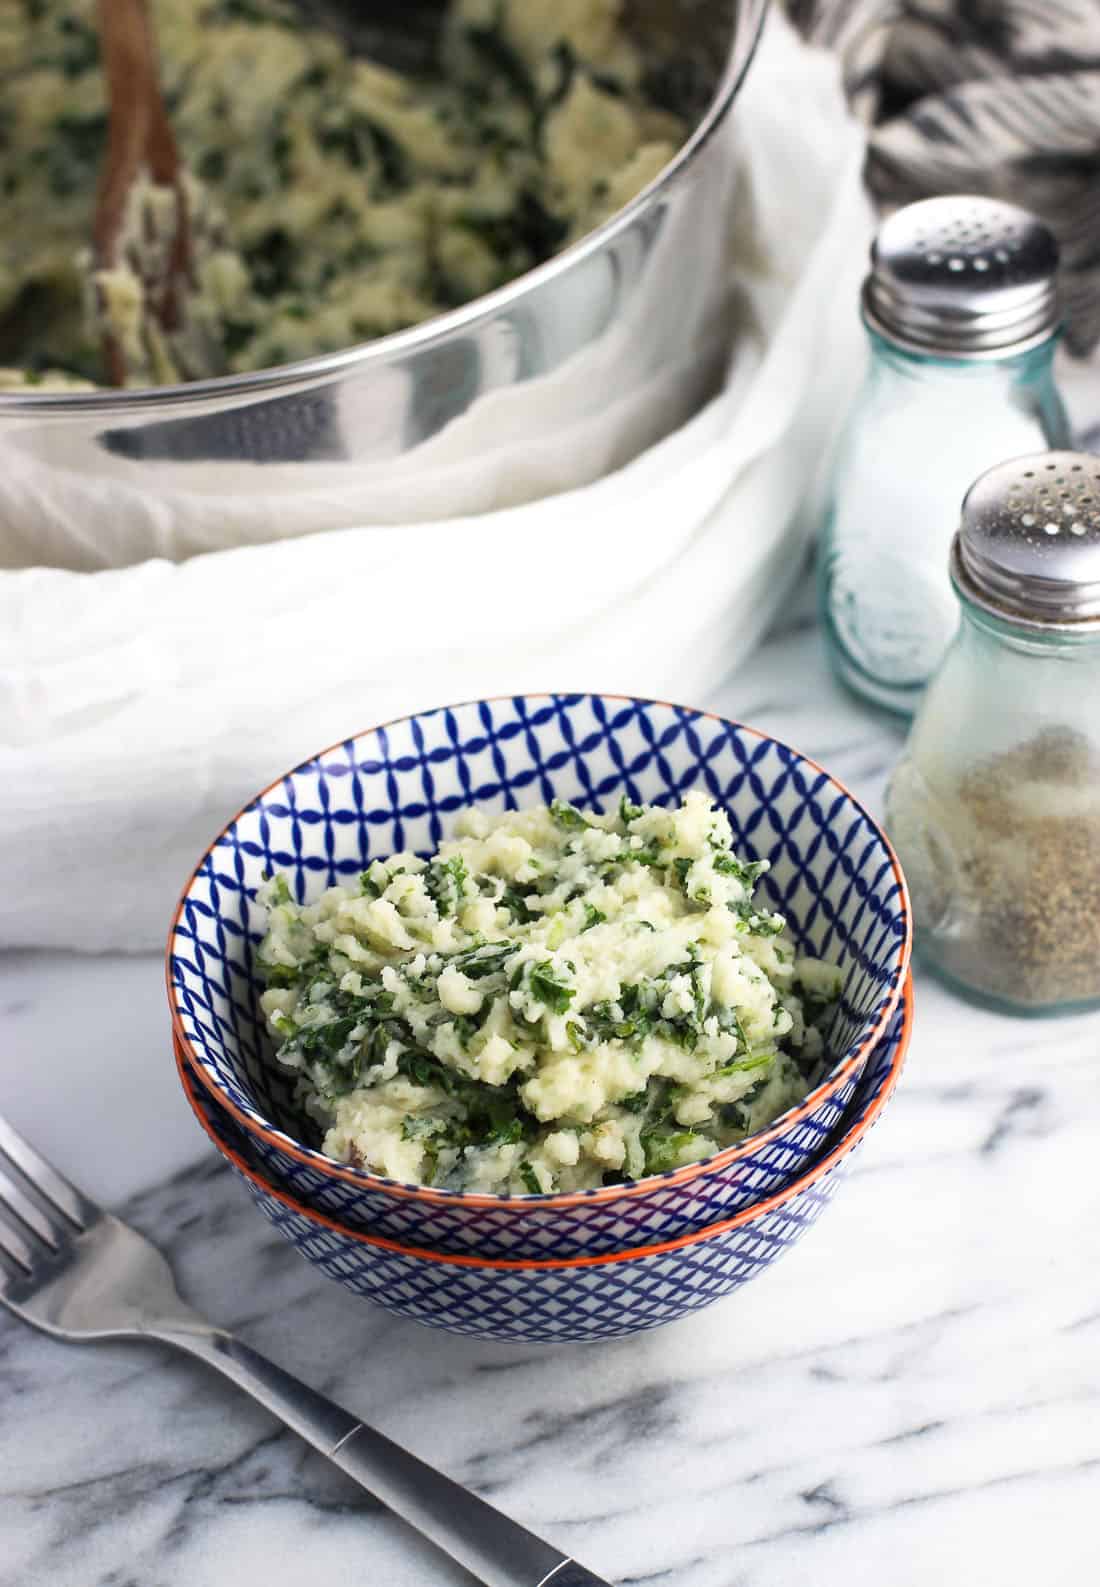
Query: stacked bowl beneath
x,y
567,1299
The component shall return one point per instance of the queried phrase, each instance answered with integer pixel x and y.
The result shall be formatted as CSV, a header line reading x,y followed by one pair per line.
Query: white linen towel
x,y
140,706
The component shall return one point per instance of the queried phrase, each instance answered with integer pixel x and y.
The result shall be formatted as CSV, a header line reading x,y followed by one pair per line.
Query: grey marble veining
x,y
910,1398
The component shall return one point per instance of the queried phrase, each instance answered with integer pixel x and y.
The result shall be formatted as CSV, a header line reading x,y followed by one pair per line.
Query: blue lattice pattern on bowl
x,y
400,786
579,1299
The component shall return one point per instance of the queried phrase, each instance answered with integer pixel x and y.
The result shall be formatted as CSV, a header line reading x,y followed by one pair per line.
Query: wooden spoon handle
x,y
139,131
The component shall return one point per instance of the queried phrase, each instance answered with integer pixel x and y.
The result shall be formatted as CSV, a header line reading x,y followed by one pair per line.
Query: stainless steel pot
x,y
543,385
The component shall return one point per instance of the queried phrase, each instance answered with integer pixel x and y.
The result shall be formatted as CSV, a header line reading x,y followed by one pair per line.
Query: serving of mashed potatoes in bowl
x,y
545,976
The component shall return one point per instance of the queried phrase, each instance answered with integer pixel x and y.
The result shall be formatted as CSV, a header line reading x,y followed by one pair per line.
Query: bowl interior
x,y
400,787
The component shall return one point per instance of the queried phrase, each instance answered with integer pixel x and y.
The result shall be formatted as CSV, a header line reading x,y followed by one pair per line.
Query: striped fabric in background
x,y
985,96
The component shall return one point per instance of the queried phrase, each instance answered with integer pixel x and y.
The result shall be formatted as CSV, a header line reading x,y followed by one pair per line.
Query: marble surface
x,y
911,1397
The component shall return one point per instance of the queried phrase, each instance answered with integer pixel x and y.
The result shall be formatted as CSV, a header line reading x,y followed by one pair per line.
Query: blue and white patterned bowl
x,y
832,874
578,1299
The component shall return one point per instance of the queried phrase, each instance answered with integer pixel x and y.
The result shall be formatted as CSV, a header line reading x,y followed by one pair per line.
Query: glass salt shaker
x,y
995,806
962,312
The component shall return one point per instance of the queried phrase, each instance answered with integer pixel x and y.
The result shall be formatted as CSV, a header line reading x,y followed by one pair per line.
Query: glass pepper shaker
x,y
962,312
995,805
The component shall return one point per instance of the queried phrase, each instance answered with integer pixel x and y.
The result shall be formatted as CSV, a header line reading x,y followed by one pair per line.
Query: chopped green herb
x,y
663,1148
467,1027
751,920
488,958
649,854
280,975
501,59
727,865
744,1066
548,987
568,817
445,882
514,898
505,1128
418,1126
700,995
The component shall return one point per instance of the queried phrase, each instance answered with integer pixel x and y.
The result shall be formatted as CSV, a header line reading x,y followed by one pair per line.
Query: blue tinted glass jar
x,y
994,808
961,310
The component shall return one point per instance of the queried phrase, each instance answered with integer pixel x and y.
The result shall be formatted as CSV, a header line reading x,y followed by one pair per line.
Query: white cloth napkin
x,y
140,706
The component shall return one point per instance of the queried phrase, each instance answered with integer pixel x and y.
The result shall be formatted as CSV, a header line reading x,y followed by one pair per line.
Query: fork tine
x,y
46,1180
14,1201
14,1246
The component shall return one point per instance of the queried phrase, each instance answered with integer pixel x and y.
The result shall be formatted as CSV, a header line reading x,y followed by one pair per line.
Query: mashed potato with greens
x,y
554,1001
345,200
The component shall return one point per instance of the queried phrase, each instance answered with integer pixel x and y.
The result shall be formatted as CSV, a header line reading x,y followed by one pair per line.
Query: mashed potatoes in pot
x,y
554,1001
352,200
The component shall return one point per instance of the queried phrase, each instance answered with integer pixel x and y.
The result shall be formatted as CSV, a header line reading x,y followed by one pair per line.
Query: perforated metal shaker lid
x,y
1028,546
963,276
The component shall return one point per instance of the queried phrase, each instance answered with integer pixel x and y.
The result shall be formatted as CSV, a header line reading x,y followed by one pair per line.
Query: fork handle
x,y
495,1549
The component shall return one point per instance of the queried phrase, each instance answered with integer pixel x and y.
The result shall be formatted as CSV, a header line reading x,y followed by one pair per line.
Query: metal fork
x,y
74,1271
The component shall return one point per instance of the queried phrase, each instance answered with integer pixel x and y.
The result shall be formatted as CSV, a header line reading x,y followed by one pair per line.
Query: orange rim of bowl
x,y
758,1209
310,1158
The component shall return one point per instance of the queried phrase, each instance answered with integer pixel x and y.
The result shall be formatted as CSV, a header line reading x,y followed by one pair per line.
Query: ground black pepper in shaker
x,y
995,805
